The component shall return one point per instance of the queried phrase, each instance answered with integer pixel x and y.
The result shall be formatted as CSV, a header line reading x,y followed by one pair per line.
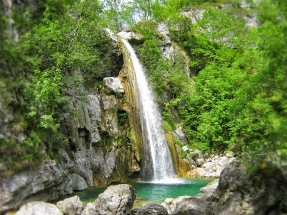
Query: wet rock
x,y
71,206
115,200
151,209
78,182
39,207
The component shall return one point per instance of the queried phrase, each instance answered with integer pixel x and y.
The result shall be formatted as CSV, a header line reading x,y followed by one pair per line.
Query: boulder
x,y
150,209
208,190
114,84
78,182
115,200
90,210
187,205
262,192
39,207
71,206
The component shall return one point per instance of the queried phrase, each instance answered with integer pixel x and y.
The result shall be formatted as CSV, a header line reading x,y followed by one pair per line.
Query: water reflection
x,y
154,191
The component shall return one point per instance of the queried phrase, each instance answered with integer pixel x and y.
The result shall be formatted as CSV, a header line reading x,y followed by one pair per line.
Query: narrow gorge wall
x,y
100,124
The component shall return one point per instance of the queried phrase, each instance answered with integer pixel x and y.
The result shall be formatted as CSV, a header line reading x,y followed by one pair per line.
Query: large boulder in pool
x,y
150,209
116,200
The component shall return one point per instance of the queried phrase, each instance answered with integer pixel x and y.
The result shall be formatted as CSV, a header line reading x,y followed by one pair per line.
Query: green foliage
x,y
235,100
239,97
64,45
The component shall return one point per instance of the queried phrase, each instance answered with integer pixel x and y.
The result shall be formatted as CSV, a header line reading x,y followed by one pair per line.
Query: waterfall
x,y
157,164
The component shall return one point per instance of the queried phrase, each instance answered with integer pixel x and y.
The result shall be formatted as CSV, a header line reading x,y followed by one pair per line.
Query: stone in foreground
x,y
150,209
116,200
39,207
71,206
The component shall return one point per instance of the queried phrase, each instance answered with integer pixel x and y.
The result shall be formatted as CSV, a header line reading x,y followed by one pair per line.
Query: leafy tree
x,y
60,49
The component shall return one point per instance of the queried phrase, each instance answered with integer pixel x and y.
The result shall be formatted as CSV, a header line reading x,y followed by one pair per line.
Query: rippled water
x,y
153,191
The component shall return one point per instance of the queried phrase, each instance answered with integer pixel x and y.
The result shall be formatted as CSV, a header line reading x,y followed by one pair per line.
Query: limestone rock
x,y
115,200
78,182
208,165
114,84
241,193
163,29
109,124
151,209
71,206
194,14
180,134
131,36
167,49
83,166
187,205
90,210
111,35
50,177
41,208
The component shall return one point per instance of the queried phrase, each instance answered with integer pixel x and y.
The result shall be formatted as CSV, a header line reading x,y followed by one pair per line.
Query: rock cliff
x,y
99,122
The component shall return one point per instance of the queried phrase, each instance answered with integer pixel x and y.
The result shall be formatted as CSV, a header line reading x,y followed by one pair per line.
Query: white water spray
x,y
154,142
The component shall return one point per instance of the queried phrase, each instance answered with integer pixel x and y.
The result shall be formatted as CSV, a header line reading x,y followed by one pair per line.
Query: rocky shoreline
x,y
235,192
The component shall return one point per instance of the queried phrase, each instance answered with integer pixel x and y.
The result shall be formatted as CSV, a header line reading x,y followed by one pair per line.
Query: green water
x,y
153,192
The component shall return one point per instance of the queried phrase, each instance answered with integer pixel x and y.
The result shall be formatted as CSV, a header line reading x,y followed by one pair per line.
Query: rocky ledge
x,y
235,192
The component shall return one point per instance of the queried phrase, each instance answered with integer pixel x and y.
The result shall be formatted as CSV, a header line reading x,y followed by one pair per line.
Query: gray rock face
x,y
50,181
95,117
78,182
186,205
71,206
116,200
237,193
167,49
163,29
192,206
151,209
114,84
41,208
90,210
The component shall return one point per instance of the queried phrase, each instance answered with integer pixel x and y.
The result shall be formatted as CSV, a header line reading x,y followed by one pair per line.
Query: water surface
x,y
154,191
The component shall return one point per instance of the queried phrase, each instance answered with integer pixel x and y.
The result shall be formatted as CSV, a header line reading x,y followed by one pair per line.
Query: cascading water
x,y
157,161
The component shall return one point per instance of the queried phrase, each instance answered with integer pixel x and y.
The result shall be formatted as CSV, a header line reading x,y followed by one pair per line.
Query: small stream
x,y
153,192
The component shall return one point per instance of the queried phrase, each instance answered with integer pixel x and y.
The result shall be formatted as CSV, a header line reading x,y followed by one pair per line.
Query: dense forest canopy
x,y
235,98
